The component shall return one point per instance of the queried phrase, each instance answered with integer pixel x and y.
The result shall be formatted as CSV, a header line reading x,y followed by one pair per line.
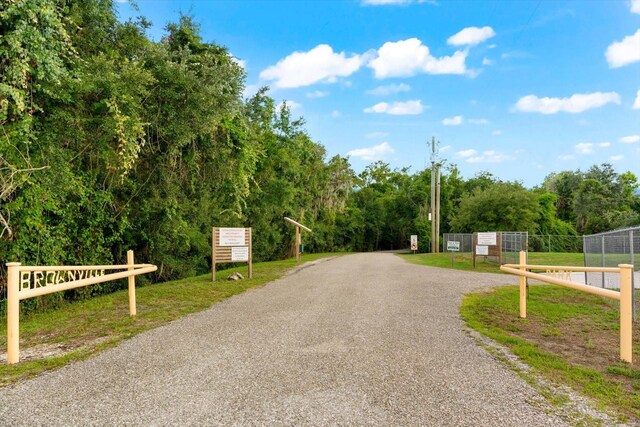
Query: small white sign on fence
x,y
453,246
482,250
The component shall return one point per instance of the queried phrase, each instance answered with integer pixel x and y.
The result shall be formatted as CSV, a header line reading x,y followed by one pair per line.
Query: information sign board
x,y
453,246
230,244
487,239
414,242
231,237
482,250
240,253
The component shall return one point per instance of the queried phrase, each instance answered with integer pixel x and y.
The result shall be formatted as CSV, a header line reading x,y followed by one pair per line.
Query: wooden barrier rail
x,y
624,296
21,286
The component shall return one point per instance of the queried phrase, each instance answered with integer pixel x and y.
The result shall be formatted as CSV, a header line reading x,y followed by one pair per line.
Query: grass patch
x,y
75,331
460,262
569,337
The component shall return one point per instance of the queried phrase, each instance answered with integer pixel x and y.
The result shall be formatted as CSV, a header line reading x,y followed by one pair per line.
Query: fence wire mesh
x,y
465,239
555,243
512,243
610,249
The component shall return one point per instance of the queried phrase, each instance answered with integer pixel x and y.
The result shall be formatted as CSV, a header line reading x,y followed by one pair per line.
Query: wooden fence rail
x,y
624,296
32,281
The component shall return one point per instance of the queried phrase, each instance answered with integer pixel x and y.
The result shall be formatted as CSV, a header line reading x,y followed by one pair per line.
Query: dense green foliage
x,y
112,141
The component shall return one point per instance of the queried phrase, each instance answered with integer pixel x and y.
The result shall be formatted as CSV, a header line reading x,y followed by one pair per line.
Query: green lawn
x,y
80,329
569,337
460,262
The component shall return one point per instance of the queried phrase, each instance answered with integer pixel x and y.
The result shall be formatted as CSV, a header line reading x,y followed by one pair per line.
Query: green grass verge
x,y
569,337
460,262
77,330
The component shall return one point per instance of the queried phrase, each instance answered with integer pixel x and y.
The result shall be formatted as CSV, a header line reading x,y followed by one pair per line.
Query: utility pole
x,y
435,198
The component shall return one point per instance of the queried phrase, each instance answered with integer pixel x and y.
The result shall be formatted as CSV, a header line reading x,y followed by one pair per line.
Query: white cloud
x,y
409,57
635,6
376,135
584,148
389,89
291,105
636,104
395,2
335,114
496,132
584,122
486,61
478,121
489,156
577,103
452,121
604,144
624,52
376,152
566,157
471,36
616,158
466,153
241,62
631,139
317,94
250,90
320,64
445,148
397,108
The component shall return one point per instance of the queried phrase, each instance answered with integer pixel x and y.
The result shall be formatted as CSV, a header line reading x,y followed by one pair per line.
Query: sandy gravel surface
x,y
365,339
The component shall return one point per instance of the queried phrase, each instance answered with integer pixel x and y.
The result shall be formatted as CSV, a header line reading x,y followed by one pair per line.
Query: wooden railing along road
x,y
624,295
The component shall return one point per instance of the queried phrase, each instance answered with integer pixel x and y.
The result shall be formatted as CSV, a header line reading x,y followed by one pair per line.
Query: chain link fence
x,y
512,243
555,243
608,250
465,240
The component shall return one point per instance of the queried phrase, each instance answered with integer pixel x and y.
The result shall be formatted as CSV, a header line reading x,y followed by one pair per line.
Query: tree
x,y
500,207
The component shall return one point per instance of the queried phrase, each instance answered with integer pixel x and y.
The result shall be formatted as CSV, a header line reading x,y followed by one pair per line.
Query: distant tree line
x,y
112,141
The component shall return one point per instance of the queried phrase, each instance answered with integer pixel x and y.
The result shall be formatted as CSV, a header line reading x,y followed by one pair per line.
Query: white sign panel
x,y
453,246
489,239
240,253
482,250
232,237
414,242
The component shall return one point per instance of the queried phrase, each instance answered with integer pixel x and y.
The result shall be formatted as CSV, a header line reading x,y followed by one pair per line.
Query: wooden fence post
x,y
132,285
298,240
523,286
13,312
626,313
213,254
250,254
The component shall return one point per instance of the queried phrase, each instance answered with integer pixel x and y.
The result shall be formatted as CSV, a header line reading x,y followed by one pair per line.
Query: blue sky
x,y
517,88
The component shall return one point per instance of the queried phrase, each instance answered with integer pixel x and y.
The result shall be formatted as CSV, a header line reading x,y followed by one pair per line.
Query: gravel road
x,y
365,339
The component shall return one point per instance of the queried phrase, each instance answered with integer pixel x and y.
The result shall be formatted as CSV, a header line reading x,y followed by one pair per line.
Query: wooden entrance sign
x,y
33,281
230,245
487,244
298,236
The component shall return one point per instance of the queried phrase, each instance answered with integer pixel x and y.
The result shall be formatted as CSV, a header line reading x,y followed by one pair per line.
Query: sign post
x,y
453,246
487,244
230,245
414,243
298,236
